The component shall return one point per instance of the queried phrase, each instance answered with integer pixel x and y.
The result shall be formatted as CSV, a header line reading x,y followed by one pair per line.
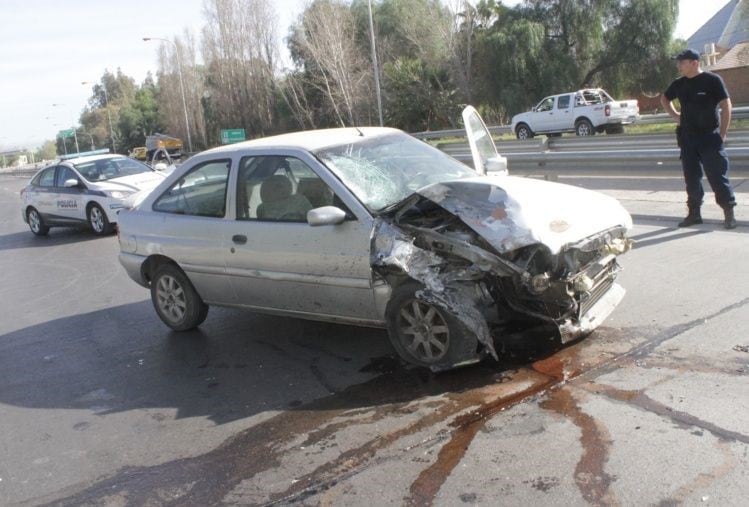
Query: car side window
x,y
200,192
546,105
64,174
280,189
47,178
563,102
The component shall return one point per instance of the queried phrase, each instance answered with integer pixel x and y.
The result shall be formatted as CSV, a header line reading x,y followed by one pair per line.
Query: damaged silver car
x,y
369,226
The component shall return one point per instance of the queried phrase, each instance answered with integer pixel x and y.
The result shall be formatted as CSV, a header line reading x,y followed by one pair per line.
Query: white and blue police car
x,y
84,189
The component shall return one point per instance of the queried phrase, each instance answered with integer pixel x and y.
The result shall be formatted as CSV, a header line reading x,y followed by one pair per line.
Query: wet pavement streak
x,y
450,407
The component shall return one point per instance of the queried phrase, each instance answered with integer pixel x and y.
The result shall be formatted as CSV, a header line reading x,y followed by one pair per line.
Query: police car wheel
x,y
36,223
175,299
98,220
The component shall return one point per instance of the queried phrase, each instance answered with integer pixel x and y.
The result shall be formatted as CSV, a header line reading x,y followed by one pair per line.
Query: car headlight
x,y
540,283
118,194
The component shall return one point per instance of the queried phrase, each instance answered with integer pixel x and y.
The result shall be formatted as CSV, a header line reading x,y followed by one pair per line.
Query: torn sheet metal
x,y
511,212
392,247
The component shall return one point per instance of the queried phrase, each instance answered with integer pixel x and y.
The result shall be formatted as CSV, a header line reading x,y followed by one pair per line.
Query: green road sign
x,y
66,133
232,136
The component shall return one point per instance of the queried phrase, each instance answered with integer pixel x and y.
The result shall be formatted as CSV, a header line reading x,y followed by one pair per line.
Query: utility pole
x,y
374,63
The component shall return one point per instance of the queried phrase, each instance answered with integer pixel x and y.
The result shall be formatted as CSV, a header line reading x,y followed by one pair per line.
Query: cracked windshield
x,y
385,170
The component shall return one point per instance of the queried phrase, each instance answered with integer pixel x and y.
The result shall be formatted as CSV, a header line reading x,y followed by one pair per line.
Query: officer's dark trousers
x,y
706,152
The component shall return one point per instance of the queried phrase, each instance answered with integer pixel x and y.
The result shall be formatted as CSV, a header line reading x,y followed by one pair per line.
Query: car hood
x,y
132,183
512,212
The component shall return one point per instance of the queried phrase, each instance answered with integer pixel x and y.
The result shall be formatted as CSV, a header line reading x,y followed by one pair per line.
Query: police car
x,y
87,189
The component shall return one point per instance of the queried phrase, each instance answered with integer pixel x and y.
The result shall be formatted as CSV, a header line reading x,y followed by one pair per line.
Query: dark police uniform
x,y
700,141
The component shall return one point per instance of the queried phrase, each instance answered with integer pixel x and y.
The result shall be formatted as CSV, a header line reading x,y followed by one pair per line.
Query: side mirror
x,y
71,183
496,165
161,166
326,215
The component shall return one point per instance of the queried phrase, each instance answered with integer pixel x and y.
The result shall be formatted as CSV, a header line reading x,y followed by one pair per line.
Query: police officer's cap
x,y
687,54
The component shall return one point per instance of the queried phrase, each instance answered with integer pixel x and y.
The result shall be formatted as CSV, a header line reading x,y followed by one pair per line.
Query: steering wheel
x,y
293,216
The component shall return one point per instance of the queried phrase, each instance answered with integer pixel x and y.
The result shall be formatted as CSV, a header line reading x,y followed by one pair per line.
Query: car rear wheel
x,y
98,220
36,223
175,299
523,131
425,334
584,128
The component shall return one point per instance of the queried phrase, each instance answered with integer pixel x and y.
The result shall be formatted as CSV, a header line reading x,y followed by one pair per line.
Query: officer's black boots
x,y
693,218
730,221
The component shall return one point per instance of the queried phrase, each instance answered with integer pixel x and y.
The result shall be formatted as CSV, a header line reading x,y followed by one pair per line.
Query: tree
x,y
549,46
240,50
324,46
47,151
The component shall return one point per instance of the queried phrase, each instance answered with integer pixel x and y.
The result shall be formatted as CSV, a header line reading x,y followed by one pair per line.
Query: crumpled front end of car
x,y
479,256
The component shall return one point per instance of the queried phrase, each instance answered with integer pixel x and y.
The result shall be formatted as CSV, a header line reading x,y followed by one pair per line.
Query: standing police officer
x,y
701,135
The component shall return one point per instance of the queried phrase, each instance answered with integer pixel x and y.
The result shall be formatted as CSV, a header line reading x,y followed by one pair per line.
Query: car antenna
x,y
359,131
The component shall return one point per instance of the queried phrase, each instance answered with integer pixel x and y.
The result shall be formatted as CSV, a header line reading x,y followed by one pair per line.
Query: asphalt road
x,y
100,404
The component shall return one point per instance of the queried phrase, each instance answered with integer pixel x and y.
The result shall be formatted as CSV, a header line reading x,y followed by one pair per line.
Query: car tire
x,y
425,334
36,222
584,128
175,300
523,131
98,221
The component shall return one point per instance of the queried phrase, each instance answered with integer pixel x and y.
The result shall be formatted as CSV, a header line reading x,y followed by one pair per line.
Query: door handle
x,y
239,239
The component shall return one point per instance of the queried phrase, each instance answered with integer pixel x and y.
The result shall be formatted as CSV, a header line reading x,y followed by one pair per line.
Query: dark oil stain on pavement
x,y
469,396
590,476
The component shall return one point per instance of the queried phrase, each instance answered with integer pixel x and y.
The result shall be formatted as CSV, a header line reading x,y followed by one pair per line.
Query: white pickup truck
x,y
583,112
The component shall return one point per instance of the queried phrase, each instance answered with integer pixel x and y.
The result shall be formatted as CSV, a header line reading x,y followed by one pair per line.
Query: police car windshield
x,y
111,168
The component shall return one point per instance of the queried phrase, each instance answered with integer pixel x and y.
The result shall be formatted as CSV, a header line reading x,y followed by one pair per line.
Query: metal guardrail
x,y
645,119
636,152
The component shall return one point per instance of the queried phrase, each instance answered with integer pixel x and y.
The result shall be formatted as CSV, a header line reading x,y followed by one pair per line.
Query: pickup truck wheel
x,y
425,334
584,128
523,131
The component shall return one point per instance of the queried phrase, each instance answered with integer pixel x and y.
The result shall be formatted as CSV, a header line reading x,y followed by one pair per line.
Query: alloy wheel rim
x,y
425,333
171,298
34,221
97,219
583,129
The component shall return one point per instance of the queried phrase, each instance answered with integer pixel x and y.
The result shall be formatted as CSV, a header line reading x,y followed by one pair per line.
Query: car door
x,y
69,201
483,150
41,193
564,117
543,116
277,261
190,226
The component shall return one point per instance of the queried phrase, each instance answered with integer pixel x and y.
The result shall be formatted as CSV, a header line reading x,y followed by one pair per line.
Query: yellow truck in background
x,y
159,147
139,153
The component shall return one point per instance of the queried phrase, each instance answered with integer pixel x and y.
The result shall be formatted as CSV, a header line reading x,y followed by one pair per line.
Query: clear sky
x,y
47,47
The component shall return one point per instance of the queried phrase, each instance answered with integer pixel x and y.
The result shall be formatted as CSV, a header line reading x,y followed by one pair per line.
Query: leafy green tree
x,y
47,151
542,47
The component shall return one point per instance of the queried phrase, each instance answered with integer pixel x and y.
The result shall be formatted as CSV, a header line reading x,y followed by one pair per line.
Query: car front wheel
x,y
425,334
523,131
36,223
175,299
98,220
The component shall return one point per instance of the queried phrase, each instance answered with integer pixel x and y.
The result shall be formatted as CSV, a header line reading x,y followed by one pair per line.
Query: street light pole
x,y
374,63
181,84
109,116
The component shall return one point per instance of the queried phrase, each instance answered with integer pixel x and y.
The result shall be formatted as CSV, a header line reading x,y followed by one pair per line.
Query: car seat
x,y
279,202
